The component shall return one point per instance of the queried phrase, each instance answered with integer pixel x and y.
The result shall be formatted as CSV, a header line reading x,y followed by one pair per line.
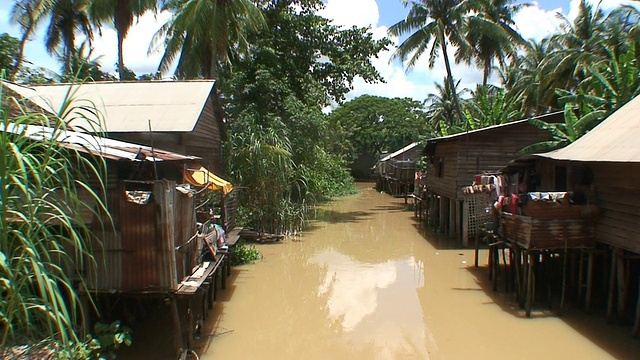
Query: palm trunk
x,y
120,56
217,106
485,74
28,29
20,56
447,65
486,70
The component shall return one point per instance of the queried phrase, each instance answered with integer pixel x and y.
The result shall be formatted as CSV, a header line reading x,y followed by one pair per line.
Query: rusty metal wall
x,y
141,255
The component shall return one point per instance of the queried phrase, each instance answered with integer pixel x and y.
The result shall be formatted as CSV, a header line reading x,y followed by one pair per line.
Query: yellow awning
x,y
205,178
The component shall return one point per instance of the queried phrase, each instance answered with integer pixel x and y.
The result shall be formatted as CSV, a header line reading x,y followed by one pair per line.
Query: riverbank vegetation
x,y
290,140
45,242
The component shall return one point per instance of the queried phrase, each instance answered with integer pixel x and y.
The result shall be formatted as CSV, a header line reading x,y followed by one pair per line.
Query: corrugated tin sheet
x,y
489,128
96,145
403,150
167,106
616,139
142,254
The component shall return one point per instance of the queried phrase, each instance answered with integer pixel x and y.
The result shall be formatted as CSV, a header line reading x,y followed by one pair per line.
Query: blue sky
x,y
535,22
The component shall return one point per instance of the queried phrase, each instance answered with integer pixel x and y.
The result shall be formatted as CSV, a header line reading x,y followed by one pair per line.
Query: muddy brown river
x,y
366,282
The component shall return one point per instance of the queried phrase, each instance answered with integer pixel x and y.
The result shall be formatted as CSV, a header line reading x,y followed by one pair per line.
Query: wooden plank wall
x,y
444,185
618,195
491,150
205,140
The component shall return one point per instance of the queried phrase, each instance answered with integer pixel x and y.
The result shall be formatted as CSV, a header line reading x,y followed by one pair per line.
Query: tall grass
x,y
45,244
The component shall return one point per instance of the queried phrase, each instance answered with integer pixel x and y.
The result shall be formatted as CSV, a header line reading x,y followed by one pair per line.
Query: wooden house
x,y
395,172
604,167
454,161
150,244
173,115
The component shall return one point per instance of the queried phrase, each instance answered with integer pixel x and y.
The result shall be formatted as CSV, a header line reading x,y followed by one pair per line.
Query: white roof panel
x,y
404,149
166,106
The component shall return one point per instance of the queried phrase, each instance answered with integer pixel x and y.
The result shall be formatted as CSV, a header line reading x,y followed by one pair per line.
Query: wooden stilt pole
x,y
506,267
612,285
210,291
589,281
530,285
636,325
622,284
563,297
518,271
177,328
477,248
581,273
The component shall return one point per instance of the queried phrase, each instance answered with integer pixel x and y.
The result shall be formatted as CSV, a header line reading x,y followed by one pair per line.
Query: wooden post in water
x,y
177,328
530,285
589,281
636,325
612,285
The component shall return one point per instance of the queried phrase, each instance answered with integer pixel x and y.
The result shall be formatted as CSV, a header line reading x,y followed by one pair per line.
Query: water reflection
x,y
375,304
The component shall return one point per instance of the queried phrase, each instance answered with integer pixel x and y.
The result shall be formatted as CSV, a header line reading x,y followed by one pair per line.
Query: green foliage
x,y
45,244
489,106
567,132
490,34
281,146
8,51
67,18
80,67
443,109
372,125
106,339
201,34
120,14
243,253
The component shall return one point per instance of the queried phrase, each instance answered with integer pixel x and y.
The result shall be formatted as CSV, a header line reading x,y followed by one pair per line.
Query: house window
x,y
439,166
560,178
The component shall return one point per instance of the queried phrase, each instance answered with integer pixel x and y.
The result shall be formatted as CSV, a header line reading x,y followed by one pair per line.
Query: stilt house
x,y
455,160
173,115
395,172
604,165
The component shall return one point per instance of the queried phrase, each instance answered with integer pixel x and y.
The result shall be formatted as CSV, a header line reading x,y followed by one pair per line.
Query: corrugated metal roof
x,y
489,128
100,146
616,139
404,149
170,106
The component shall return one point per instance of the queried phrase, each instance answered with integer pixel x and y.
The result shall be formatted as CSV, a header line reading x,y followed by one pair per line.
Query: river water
x,y
366,282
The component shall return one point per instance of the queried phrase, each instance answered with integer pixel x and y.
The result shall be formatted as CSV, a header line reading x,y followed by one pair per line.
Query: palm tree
x,y
567,132
27,14
622,29
491,35
121,14
430,24
521,78
442,109
491,105
581,44
67,18
202,33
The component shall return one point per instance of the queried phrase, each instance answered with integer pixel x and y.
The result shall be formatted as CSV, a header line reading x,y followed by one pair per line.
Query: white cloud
x,y
361,13
535,23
